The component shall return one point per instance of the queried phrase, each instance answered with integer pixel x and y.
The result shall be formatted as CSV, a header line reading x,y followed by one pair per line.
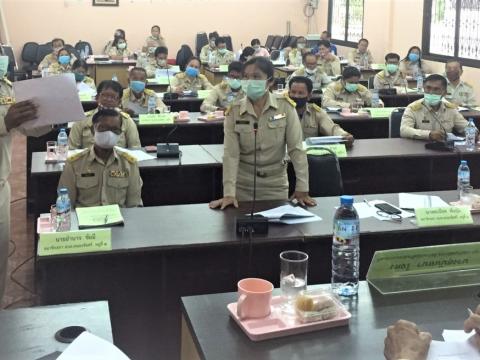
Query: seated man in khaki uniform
x,y
101,175
226,92
347,92
312,71
431,118
458,91
159,61
361,56
391,77
135,98
207,50
315,121
328,62
109,95
221,56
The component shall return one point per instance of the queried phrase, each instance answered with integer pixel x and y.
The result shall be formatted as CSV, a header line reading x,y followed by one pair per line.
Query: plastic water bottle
x,y
463,177
62,145
87,51
63,220
375,99
152,104
114,77
345,249
470,135
420,83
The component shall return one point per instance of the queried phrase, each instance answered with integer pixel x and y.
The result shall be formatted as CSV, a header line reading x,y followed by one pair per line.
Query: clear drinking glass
x,y
293,275
280,87
466,195
167,109
51,150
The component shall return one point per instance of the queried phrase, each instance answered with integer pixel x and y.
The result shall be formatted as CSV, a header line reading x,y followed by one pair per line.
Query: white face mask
x,y
310,72
106,139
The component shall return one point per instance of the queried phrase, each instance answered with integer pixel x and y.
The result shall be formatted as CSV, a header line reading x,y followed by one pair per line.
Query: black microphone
x,y
253,223
169,95
439,145
167,150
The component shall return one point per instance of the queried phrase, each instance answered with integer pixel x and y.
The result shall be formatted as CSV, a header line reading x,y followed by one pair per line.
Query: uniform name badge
x,y
118,174
6,100
278,117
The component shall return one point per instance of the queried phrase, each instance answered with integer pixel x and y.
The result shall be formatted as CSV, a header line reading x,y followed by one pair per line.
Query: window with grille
x,y
345,21
451,29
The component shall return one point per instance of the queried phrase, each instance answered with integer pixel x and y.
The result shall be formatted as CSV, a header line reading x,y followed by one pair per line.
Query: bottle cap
x,y
63,191
346,200
463,162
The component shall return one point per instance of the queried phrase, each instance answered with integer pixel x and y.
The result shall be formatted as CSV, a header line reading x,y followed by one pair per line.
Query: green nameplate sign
x,y
378,66
223,68
85,96
453,215
158,81
339,149
75,242
202,94
155,119
380,113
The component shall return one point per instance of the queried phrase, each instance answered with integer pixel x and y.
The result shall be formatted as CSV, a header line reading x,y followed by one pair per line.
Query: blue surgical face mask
x,y
432,99
191,71
234,84
137,86
351,87
255,89
413,57
64,59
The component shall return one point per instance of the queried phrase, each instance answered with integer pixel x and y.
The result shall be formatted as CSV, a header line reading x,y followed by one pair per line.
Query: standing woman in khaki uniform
x,y
278,129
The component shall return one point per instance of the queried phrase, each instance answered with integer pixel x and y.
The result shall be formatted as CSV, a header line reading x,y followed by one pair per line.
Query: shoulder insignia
x,y
362,88
416,105
124,114
90,113
78,155
316,108
450,105
227,111
203,77
223,85
180,75
337,86
290,101
6,81
149,92
127,157
381,74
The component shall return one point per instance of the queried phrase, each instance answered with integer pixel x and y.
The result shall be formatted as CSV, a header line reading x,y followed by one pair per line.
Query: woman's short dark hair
x,y
255,42
112,85
65,49
262,63
193,58
301,80
79,63
161,50
104,112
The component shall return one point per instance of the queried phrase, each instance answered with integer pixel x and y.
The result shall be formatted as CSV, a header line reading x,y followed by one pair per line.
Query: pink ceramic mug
x,y
255,296
183,114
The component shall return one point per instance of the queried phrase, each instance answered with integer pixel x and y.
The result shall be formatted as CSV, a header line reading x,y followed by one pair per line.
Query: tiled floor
x,y
20,284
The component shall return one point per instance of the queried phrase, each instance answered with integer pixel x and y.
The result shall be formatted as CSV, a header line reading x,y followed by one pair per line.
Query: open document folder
x,y
99,216
289,214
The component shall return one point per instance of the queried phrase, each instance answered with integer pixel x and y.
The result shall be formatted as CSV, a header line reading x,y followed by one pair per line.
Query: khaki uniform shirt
x,y
316,122
295,57
187,83
330,67
151,66
57,69
355,58
335,95
114,51
463,94
151,45
385,80
278,127
52,59
205,53
222,59
92,182
407,68
140,105
419,119
81,133
318,79
220,97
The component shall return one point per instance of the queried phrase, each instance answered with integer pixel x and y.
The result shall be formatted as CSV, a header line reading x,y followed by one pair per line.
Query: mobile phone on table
x,y
388,209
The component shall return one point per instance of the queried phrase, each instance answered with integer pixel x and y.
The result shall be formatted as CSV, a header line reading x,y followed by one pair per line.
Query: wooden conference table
x,y
106,70
28,333
206,324
372,166
164,253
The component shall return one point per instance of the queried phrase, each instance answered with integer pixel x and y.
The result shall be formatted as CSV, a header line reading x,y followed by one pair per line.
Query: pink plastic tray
x,y
354,115
278,324
206,119
43,224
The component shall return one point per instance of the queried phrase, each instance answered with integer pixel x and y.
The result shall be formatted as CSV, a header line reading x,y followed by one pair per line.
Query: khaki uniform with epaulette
x,y
151,67
151,44
318,79
419,120
140,105
222,59
462,95
7,99
90,82
51,59
316,122
92,182
335,95
278,127
81,133
57,69
386,80
355,57
220,97
187,83
330,67
205,53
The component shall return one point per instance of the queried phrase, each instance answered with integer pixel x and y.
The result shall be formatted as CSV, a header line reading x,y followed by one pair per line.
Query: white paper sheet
x,y
414,201
452,350
56,97
302,215
84,88
456,335
90,347
140,155
161,73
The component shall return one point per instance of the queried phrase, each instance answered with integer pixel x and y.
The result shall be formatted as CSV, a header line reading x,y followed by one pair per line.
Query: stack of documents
x,y
140,155
414,201
99,216
322,140
289,214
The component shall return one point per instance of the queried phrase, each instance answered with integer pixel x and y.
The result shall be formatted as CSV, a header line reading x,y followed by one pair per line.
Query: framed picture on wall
x,y
105,2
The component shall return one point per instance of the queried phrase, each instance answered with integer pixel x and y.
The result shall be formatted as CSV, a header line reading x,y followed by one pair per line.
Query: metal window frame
x,y
344,42
427,23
